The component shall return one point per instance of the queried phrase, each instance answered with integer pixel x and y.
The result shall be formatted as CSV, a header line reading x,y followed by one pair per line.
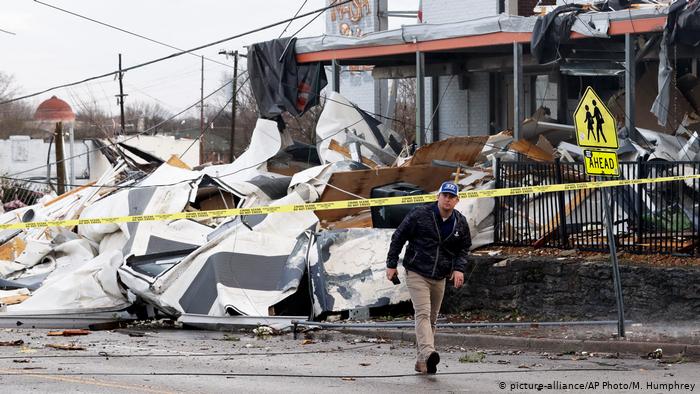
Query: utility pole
x,y
234,99
232,154
60,164
120,97
202,157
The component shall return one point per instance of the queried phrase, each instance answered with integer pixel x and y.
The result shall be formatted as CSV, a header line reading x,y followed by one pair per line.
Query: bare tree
x,y
142,116
14,116
92,121
405,118
8,88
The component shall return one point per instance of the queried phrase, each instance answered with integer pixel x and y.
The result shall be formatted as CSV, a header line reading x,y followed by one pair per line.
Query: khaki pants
x,y
426,295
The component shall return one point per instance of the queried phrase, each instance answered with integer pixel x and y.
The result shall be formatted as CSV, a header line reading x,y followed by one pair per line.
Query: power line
x,y
130,138
125,31
290,22
215,117
174,55
8,32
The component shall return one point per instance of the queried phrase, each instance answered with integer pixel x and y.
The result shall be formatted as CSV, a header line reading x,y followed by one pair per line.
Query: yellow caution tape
x,y
325,206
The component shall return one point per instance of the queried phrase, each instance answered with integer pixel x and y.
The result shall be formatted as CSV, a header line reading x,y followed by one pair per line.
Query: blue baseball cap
x,y
449,187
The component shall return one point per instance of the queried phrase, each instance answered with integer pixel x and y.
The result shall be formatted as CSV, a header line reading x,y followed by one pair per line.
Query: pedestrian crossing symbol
x,y
594,124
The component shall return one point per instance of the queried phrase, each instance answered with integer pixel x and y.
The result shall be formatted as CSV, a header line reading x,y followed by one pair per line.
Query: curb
x,y
536,344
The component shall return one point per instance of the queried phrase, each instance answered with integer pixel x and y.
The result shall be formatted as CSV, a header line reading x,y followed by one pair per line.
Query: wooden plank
x,y
15,299
12,248
335,146
554,224
361,220
68,333
347,185
175,161
531,150
64,195
463,150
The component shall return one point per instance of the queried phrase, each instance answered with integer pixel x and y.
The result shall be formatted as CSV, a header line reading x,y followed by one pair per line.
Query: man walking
x,y
438,244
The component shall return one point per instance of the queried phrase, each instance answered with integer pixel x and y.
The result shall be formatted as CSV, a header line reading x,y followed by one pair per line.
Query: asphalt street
x,y
173,360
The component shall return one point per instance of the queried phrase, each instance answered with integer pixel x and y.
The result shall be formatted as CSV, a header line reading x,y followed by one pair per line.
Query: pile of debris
x,y
244,265
663,217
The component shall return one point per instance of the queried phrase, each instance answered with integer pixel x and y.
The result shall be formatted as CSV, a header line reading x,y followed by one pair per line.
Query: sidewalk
x,y
674,338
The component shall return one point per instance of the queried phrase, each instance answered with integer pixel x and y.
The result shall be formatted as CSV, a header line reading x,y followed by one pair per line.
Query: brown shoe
x,y
421,367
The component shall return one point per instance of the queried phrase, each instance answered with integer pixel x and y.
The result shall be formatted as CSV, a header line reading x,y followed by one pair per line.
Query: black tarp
x,y
684,26
279,83
551,30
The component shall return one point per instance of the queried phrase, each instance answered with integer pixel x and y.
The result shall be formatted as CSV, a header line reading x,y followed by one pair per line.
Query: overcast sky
x,y
51,47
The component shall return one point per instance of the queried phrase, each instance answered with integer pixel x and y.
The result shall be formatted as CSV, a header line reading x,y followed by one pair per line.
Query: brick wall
x,y
461,112
478,104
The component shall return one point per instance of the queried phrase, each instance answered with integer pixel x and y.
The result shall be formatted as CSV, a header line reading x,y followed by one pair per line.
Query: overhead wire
x,y
174,55
290,22
8,32
223,107
127,139
126,31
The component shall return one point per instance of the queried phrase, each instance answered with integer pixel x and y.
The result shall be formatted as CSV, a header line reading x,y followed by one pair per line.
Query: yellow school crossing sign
x,y
594,124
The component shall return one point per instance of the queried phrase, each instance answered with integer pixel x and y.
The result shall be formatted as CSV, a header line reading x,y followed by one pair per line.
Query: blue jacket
x,y
428,254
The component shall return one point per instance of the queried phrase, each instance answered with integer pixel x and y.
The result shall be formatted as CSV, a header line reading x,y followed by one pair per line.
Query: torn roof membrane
x,y
218,267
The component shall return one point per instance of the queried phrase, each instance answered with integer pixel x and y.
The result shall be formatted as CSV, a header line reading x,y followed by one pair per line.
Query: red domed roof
x,y
54,110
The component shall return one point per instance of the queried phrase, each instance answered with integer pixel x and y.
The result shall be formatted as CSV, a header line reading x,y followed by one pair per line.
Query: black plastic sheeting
x,y
551,30
280,84
683,24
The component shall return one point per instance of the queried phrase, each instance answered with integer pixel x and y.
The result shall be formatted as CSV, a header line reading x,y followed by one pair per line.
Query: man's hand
x,y
457,278
390,272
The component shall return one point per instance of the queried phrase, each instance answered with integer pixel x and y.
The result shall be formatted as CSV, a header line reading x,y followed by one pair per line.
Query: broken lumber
x,y
335,146
531,150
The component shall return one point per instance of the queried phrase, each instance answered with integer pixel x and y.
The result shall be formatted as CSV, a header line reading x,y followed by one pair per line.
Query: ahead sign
x,y
594,124
601,162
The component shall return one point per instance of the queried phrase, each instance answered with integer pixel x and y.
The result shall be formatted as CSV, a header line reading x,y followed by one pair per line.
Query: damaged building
x,y
476,79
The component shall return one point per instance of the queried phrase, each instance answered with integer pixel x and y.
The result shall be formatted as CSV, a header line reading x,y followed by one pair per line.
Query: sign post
x,y
596,130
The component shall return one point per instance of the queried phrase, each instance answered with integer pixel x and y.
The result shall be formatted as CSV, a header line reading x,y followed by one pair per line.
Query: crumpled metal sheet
x,y
348,271
343,123
245,269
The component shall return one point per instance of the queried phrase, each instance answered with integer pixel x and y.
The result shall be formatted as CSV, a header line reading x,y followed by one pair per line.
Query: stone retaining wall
x,y
576,290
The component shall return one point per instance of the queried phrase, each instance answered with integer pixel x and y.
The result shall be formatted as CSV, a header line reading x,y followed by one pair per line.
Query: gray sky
x,y
51,47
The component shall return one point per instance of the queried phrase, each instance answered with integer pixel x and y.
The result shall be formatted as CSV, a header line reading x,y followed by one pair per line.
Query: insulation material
x,y
348,271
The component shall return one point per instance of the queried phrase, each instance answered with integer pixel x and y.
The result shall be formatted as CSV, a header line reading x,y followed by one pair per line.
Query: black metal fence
x,y
16,193
661,217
